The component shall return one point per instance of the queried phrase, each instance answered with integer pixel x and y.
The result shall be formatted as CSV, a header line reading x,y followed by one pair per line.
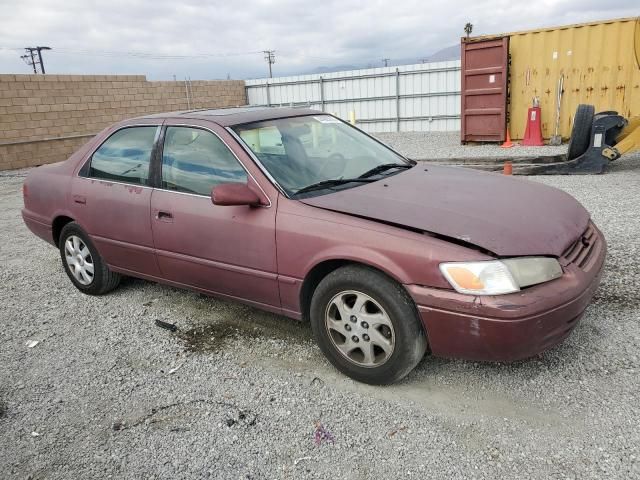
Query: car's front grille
x,y
580,252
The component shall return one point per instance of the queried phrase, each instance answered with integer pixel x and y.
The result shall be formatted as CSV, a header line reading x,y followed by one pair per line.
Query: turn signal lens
x,y
465,278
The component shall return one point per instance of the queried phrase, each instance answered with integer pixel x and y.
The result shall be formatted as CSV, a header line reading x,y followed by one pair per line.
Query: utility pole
x,y
39,49
270,57
30,59
386,61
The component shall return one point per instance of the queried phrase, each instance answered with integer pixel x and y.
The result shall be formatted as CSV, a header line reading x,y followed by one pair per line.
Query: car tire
x,y
581,131
382,321
83,263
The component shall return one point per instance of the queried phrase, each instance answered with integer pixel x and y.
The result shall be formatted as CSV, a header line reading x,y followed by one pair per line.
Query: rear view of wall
x,y
44,118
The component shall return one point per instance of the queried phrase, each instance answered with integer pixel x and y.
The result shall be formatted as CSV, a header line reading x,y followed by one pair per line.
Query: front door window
x,y
195,160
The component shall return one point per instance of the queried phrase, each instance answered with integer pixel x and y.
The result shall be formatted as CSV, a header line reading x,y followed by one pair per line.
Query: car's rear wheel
x,y
367,325
83,263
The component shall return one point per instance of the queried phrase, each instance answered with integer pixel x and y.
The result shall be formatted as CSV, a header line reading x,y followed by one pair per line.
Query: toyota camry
x,y
297,212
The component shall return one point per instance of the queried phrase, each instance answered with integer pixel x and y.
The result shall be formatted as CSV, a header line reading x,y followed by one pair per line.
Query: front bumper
x,y
514,326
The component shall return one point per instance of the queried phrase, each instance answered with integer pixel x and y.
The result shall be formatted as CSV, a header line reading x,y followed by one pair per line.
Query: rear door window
x,y
124,156
195,160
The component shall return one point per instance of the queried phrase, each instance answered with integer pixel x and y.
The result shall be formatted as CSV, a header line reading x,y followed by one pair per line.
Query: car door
x,y
228,250
111,198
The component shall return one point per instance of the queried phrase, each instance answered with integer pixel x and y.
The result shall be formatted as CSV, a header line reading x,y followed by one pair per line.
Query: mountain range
x,y
443,55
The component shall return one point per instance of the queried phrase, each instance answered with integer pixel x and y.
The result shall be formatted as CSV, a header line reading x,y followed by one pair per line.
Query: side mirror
x,y
229,194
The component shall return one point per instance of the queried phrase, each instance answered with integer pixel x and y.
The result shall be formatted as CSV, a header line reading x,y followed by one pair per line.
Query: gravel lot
x,y
444,145
236,393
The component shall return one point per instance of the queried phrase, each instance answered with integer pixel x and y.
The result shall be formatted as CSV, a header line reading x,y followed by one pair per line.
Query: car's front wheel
x,y
367,325
83,263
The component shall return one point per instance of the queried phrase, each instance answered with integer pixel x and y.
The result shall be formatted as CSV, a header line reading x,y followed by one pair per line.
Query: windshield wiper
x,y
332,183
384,167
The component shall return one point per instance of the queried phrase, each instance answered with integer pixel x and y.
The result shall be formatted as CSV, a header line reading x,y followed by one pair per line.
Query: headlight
x,y
496,277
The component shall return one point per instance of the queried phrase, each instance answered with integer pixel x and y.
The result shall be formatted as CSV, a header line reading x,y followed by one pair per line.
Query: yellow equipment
x,y
596,140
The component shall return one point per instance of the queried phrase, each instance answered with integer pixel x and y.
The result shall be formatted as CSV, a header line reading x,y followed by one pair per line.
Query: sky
x,y
210,39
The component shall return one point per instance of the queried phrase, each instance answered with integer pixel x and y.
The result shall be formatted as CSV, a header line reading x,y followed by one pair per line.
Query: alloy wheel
x,y
360,329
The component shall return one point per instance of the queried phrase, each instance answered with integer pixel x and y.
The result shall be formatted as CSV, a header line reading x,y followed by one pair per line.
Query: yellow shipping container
x,y
599,61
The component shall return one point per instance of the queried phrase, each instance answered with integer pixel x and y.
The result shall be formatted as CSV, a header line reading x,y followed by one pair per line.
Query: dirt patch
x,y
213,324
215,336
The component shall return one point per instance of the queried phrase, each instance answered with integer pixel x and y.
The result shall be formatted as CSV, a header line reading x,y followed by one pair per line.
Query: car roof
x,y
228,117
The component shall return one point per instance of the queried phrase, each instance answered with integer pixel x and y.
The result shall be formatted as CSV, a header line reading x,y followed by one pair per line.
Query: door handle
x,y
81,199
164,216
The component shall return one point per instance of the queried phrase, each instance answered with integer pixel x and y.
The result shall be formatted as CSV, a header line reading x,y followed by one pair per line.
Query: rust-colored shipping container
x,y
484,89
598,61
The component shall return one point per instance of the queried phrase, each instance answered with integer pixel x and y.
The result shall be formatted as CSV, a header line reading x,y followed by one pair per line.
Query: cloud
x,y
305,34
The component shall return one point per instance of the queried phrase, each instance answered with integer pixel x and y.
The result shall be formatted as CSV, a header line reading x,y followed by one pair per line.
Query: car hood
x,y
504,215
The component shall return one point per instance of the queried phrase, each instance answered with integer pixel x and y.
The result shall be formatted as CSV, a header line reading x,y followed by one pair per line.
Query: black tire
x,y
410,339
104,280
581,131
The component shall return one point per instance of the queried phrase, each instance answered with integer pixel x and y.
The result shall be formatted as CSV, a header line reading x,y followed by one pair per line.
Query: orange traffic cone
x,y
508,168
507,143
533,132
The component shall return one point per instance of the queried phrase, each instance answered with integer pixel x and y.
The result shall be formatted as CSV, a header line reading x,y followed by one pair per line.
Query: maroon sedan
x,y
296,212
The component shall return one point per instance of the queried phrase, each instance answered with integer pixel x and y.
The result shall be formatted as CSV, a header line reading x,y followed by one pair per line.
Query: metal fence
x,y
422,97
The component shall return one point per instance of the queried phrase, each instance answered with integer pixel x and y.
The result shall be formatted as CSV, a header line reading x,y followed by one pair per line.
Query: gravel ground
x,y
236,392
441,145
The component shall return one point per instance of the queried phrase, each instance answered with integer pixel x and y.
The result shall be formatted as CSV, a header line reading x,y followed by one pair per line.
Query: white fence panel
x,y
420,97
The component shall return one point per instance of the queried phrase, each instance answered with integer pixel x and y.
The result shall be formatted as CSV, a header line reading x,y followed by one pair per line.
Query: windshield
x,y
301,152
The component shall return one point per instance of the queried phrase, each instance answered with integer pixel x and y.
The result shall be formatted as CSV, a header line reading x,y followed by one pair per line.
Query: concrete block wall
x,y
44,118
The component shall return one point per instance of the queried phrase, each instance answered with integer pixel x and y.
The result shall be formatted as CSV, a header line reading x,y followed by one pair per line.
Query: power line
x,y
149,55
159,56
270,57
